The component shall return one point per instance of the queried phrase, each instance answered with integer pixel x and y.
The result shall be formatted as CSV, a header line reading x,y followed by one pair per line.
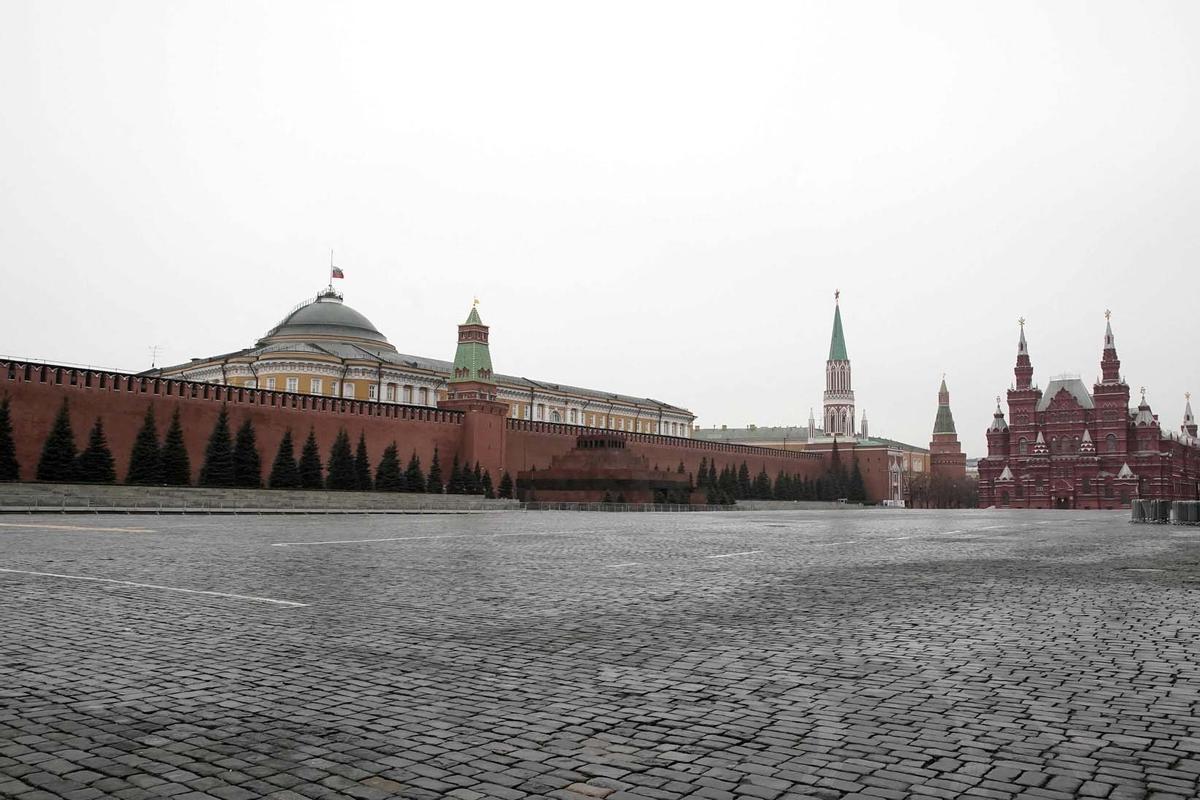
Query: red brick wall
x,y
533,444
36,392
34,404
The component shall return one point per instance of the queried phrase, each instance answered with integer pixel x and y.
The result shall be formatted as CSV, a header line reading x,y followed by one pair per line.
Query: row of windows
x,y
1066,445
576,417
410,395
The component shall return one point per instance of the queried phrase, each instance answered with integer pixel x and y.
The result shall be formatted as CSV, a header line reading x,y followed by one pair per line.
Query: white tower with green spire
x,y
839,391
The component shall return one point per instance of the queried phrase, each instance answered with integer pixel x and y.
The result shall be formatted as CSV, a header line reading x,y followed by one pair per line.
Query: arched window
x,y
555,416
1023,446
1110,442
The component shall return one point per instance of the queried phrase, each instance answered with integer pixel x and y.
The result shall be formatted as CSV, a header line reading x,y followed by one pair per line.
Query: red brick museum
x,y
1066,447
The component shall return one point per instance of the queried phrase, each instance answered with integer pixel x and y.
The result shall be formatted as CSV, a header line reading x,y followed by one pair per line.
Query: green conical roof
x,y
472,359
837,345
945,421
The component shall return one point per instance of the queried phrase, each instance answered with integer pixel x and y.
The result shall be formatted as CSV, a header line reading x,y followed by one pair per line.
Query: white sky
x,y
650,198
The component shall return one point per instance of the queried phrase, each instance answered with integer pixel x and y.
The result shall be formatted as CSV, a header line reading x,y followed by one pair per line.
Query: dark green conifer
x,y
218,468
341,464
175,468
702,474
679,470
362,465
145,460
58,452
311,471
744,487
247,464
414,477
95,463
456,484
712,473
856,491
489,493
505,491
388,477
10,470
284,472
435,484
476,480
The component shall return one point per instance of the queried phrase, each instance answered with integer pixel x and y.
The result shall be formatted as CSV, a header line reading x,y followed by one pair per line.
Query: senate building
x,y
324,347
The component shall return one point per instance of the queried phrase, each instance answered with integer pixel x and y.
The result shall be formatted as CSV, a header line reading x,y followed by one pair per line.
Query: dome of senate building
x,y
325,318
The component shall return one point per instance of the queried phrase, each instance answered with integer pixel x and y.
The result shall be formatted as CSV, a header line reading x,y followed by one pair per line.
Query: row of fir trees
x,y
231,459
732,484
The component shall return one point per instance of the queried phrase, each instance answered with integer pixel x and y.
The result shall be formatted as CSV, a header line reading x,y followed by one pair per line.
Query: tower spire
x,y
1024,368
1189,420
1110,365
839,391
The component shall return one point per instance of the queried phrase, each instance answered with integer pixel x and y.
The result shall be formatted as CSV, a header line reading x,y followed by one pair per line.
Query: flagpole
x,y
331,270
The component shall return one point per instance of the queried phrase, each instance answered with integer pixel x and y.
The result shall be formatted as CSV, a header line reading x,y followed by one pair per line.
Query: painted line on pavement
x,y
416,538
289,603
626,564
897,538
73,528
833,544
731,555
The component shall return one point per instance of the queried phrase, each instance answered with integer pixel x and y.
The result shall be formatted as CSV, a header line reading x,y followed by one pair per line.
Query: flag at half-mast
x,y
336,272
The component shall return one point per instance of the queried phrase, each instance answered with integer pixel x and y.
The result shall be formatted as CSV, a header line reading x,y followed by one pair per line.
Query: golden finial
x,y
1143,394
1108,313
476,302
1187,396
836,294
1021,322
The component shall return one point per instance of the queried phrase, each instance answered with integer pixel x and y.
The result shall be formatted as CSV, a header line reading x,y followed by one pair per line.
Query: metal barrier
x,y
1164,512
538,505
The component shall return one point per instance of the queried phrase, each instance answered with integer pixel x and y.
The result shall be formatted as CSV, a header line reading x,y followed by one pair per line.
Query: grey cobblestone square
x,y
869,654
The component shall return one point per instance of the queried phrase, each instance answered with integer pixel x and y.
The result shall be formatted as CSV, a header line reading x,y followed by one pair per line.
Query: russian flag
x,y
336,272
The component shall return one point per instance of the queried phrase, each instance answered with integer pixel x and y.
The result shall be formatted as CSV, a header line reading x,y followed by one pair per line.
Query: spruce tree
x,y
435,485
489,493
456,484
311,471
362,465
174,465
744,487
218,468
284,472
95,463
712,474
388,477
414,477
247,464
856,491
145,460
341,464
477,480
58,452
505,491
702,473
10,470
679,470
762,485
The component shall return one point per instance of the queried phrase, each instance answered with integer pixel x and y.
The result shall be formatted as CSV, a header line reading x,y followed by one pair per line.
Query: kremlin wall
x,y
473,413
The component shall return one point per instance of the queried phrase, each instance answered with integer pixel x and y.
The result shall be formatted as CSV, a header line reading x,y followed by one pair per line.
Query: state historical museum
x,y
1068,448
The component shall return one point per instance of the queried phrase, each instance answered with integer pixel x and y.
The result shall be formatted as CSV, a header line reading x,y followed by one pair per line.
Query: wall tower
x,y
839,391
945,453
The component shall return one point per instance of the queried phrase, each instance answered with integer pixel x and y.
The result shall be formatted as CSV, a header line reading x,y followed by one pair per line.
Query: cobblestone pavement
x,y
882,654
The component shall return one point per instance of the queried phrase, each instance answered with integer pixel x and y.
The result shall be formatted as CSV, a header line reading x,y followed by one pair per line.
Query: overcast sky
x,y
651,198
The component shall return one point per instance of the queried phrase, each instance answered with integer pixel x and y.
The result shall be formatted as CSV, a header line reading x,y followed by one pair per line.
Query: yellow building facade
x,y
324,347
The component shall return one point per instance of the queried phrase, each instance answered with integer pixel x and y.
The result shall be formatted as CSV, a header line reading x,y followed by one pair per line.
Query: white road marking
x,y
832,544
626,564
415,538
289,603
897,538
72,528
731,555
359,541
